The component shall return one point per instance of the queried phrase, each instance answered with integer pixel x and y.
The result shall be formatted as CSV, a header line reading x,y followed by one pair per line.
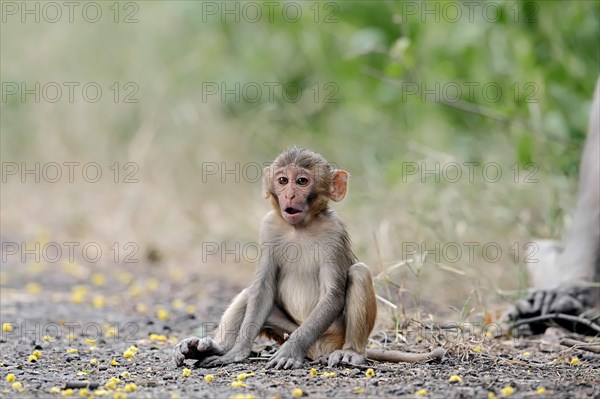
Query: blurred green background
x,y
342,75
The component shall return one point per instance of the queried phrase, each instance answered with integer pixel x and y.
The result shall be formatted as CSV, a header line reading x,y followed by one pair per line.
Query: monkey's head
x,y
299,184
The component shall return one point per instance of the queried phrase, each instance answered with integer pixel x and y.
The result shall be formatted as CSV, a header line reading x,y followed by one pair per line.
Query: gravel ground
x,y
115,328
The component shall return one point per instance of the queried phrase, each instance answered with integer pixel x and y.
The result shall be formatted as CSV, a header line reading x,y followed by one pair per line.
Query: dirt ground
x,y
64,324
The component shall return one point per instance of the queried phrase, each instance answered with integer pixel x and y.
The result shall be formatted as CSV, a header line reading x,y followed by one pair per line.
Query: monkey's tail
x,y
383,355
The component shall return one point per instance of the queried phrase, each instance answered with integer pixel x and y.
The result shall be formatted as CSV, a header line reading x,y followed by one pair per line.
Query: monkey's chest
x,y
298,290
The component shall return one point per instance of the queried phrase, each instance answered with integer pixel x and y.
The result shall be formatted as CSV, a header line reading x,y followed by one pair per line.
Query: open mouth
x,y
292,211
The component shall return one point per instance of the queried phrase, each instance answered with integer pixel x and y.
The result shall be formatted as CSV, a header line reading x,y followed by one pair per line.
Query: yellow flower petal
x,y
186,372
507,391
421,392
10,377
313,372
358,390
238,384
17,386
54,390
370,373
540,390
297,393
66,392
209,377
455,378
7,327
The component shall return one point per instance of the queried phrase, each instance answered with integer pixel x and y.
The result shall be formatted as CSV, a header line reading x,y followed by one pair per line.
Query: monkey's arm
x,y
261,295
331,303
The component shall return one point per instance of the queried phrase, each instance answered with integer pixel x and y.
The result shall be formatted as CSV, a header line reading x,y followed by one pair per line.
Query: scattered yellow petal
x,y
488,334
135,290
238,384
72,350
141,308
119,395
114,362
125,374
313,372
297,393
328,374
83,392
186,372
33,288
177,303
209,377
37,353
90,341
54,390
359,390
370,373
243,376
124,277
128,354
94,361
421,392
32,358
540,390
190,309
111,332
454,378
10,377
152,284
47,338
17,386
98,302
526,354
130,387
7,327
477,349
507,391
71,337
492,395
112,383
66,392
158,337
574,361
98,279
133,349
162,314
101,392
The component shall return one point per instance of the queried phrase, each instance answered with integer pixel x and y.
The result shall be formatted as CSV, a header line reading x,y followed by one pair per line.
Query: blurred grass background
x,y
372,130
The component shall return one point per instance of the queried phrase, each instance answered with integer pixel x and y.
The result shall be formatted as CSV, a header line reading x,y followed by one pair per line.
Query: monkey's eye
x,y
282,180
302,181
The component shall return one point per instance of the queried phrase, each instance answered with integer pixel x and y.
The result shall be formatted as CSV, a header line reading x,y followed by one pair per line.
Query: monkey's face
x,y
294,188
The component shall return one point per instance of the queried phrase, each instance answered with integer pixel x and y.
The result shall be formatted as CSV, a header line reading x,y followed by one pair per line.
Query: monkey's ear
x,y
266,181
339,185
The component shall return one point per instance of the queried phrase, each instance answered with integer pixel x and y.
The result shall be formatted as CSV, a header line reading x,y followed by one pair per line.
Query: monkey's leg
x,y
223,338
562,275
278,325
359,317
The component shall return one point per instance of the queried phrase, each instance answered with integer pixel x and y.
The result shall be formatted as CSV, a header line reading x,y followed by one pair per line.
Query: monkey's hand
x,y
195,348
287,357
236,354
545,307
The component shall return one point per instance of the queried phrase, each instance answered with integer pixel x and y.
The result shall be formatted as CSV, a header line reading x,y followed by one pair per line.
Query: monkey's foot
x,y
571,307
195,348
286,358
344,356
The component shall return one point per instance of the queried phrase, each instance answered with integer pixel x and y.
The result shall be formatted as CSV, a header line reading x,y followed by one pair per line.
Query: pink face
x,y
293,186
